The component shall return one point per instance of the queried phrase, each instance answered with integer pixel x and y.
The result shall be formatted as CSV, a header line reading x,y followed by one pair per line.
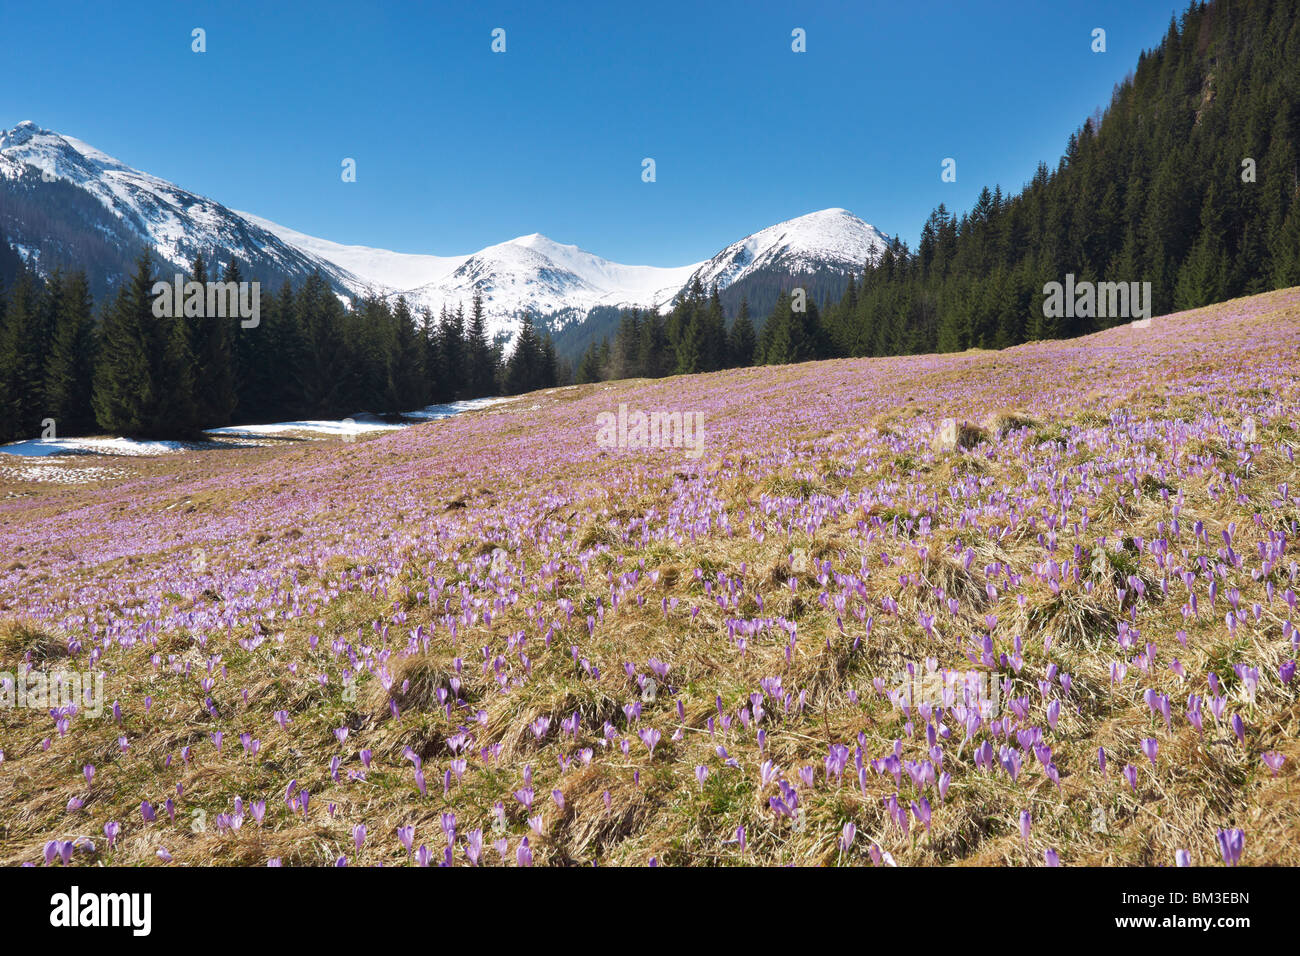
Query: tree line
x,y
66,370
694,337
1189,180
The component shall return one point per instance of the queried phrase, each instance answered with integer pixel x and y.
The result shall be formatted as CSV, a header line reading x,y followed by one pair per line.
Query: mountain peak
x,y
531,272
833,239
21,134
827,213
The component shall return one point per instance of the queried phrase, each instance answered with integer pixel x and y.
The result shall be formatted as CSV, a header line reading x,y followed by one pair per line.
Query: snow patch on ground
x,y
346,426
50,459
52,471
52,447
361,423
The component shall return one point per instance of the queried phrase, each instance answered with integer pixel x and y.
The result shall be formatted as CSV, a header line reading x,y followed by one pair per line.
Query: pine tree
x,y
212,345
713,334
524,372
323,377
589,368
741,341
652,346
451,345
777,344
70,369
22,360
480,360
124,390
174,413
403,362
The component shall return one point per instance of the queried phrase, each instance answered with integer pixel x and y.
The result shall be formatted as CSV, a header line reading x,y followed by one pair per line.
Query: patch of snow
x,y
434,412
50,447
47,470
346,426
362,422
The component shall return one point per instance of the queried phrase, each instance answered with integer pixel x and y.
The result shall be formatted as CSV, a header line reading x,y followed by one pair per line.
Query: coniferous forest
x,y
126,372
1189,180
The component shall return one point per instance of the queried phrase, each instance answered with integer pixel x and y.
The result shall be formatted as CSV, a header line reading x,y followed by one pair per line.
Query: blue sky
x,y
458,147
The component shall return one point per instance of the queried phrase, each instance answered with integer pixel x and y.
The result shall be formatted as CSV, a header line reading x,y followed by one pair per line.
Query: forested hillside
x,y
1189,180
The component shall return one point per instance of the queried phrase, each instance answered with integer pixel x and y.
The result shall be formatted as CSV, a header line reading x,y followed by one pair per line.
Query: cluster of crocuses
x,y
850,635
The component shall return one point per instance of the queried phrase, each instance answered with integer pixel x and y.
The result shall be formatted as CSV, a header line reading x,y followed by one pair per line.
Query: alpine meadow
x,y
966,536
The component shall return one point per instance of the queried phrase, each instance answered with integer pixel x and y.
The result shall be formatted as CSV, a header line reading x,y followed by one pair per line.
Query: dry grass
x,y
482,695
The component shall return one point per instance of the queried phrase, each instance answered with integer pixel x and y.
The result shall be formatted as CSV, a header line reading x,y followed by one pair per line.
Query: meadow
x,y
1029,607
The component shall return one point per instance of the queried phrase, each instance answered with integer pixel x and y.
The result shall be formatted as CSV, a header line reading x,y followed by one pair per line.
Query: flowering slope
x,y
1060,627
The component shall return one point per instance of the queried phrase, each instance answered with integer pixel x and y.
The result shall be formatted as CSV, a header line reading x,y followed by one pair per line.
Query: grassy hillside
x,y
456,627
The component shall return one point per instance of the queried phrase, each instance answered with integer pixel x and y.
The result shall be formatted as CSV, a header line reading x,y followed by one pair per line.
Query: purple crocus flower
x,y
1150,747
1231,843
1239,728
650,737
474,846
847,836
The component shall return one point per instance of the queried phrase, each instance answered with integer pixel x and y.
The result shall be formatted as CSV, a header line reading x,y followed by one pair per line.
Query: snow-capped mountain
x,y
37,166
555,282
829,238
549,279
563,283
94,207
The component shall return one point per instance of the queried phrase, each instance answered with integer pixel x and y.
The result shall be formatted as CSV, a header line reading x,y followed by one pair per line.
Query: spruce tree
x,y
22,364
741,340
589,367
479,359
70,368
212,342
524,371
451,340
124,391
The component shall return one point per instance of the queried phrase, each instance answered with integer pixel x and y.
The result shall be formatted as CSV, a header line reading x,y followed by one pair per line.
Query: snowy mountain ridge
x,y
556,282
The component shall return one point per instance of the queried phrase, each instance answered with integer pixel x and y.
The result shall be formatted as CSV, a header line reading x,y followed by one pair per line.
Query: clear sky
x,y
458,147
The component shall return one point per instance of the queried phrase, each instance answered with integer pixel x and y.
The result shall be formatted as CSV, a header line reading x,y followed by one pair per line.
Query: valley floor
x,y
846,633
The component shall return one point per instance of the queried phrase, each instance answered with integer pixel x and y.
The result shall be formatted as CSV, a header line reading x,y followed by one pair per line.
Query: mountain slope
x,y
36,164
65,203
831,238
